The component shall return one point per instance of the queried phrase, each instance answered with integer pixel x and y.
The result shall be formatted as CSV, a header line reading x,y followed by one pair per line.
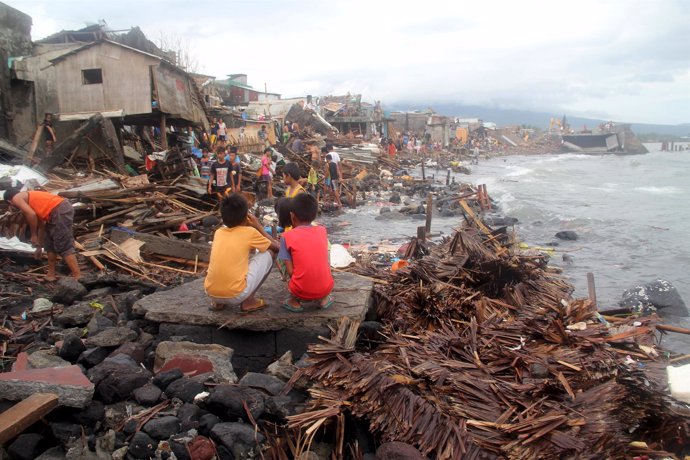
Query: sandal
x,y
327,305
259,306
216,306
288,307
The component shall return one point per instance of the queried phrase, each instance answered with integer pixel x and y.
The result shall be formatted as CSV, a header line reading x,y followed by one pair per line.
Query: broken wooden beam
x,y
25,413
65,148
165,246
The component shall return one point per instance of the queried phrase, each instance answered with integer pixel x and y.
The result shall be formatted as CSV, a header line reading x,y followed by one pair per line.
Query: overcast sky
x,y
625,60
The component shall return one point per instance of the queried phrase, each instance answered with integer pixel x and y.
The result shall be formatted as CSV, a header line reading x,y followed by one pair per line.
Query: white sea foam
x,y
667,190
519,171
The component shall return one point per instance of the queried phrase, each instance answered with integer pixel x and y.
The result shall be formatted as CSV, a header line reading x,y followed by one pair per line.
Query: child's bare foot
x,y
252,304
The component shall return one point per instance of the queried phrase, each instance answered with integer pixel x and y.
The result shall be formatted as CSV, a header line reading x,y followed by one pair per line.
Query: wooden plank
x,y
429,211
165,246
25,413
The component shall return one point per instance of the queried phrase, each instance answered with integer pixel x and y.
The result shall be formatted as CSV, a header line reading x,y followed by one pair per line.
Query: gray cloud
x,y
629,59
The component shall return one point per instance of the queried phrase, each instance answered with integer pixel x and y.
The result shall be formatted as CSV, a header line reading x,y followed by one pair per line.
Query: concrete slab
x,y
188,304
69,383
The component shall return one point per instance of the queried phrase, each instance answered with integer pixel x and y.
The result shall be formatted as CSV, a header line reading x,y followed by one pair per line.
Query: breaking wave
x,y
667,190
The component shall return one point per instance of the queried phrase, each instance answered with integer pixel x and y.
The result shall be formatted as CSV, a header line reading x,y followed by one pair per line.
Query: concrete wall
x,y
414,122
15,31
15,40
126,81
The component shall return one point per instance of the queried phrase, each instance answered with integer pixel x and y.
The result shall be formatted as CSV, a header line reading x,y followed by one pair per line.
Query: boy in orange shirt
x,y
235,270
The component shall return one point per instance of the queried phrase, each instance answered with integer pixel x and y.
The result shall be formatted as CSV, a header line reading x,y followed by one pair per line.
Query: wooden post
x,y
25,413
164,132
421,234
353,205
429,211
591,288
448,178
486,197
423,160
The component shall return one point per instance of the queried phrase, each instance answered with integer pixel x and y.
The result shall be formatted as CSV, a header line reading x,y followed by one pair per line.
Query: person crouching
x,y
304,250
235,270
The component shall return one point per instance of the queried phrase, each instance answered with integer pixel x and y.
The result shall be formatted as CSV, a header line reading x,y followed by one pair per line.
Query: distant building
x,y
234,91
349,114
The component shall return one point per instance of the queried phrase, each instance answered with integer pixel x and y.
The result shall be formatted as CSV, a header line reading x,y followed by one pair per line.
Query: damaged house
x,y
348,114
132,87
95,82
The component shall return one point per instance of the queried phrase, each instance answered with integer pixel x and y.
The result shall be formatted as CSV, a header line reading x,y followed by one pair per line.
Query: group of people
x,y
301,250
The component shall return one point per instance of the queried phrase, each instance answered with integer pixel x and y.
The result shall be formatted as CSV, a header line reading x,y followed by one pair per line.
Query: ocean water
x,y
631,214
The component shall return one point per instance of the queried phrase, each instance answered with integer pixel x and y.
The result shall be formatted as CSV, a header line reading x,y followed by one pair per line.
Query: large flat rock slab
x,y
188,304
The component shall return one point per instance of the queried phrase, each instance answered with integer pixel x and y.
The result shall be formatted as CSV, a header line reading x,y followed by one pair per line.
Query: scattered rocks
x,y
165,378
136,351
90,415
113,337
569,235
66,432
398,451
78,314
271,384
27,446
283,367
98,323
71,348
184,389
660,295
238,438
189,415
142,446
207,422
41,304
148,395
227,401
162,427
92,357
68,290
117,377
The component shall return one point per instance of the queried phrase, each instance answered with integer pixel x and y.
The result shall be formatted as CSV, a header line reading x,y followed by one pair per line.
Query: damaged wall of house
x,y
15,40
104,77
34,86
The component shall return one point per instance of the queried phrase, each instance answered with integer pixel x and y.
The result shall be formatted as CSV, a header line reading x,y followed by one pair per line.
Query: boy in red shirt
x,y
304,250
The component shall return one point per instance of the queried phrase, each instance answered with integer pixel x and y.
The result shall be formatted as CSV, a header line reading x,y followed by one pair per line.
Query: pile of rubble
x,y
127,389
480,353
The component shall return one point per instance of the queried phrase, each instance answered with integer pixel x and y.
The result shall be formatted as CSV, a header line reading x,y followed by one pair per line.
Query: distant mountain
x,y
504,117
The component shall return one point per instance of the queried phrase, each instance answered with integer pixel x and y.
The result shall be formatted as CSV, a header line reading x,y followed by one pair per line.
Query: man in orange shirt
x,y
50,219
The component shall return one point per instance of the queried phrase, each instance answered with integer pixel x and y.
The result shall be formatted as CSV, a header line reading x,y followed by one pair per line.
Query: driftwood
x,y
485,355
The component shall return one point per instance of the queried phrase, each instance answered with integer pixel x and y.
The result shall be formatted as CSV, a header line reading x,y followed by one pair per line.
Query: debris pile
x,y
484,354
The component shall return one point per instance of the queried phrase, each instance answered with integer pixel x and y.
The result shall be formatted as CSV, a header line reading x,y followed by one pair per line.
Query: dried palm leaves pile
x,y
485,355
